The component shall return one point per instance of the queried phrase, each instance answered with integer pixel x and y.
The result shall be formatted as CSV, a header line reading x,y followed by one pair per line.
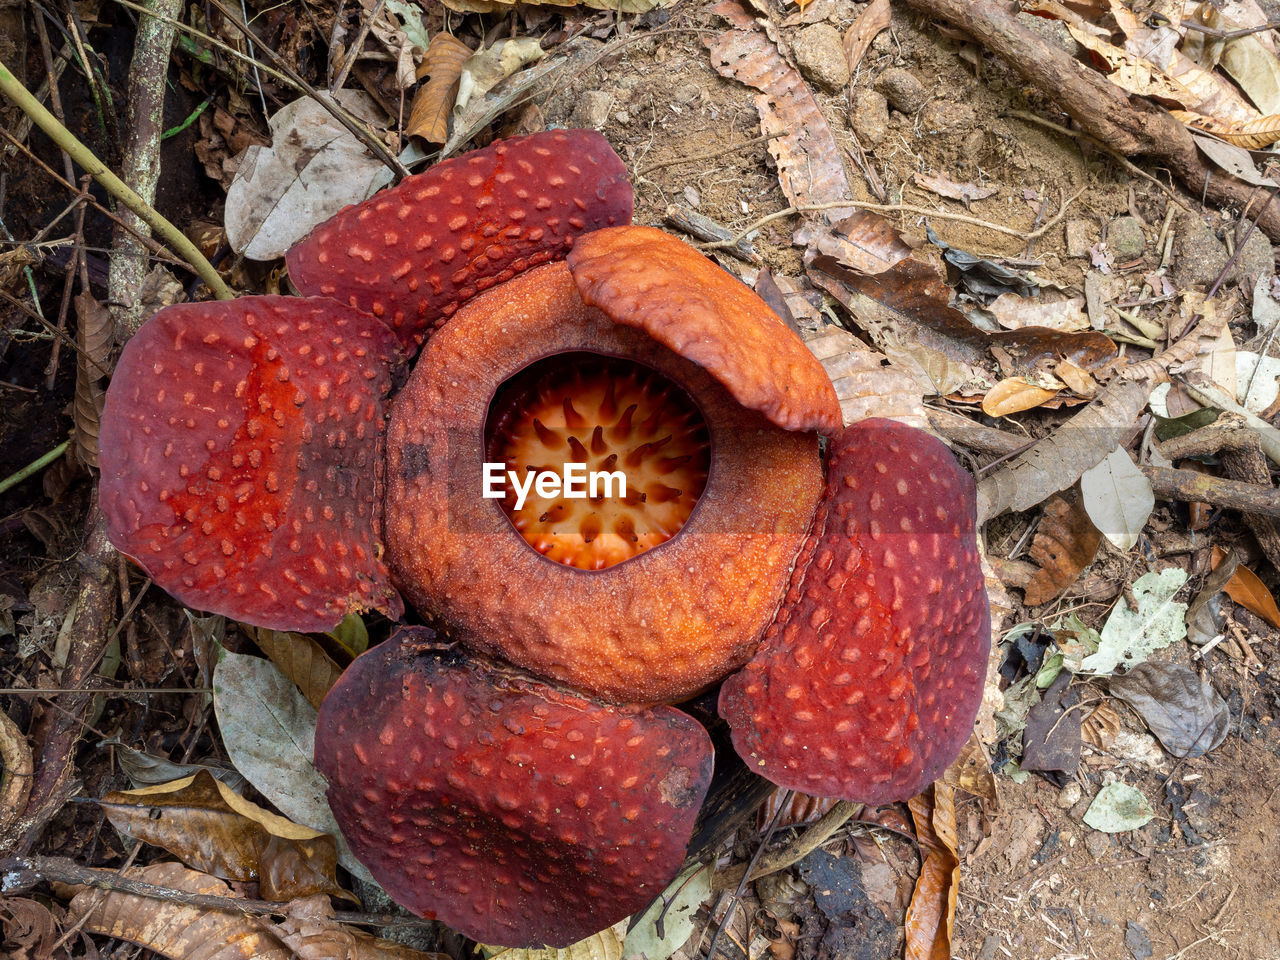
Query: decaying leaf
x,y
1065,543
310,930
1118,808
1185,713
668,922
1132,73
1051,740
1118,498
810,169
1246,589
1257,381
1229,154
971,771
147,769
94,334
433,102
605,945
854,925
484,69
866,383
1014,312
942,184
301,659
29,929
875,17
182,932
1129,636
931,916
313,168
1255,68
502,6
1013,395
176,930
208,825
268,729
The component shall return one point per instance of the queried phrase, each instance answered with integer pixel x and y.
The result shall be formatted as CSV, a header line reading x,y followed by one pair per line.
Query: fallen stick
x,y
1129,126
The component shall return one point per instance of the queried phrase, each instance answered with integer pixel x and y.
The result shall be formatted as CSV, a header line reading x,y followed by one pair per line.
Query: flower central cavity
x,y
602,458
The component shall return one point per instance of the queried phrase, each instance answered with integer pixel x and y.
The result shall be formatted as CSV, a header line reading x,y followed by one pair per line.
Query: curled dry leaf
x,y
1013,395
1234,159
810,169
301,659
207,824
942,184
1250,134
29,929
486,68
1246,589
177,930
1132,73
182,932
1065,543
433,101
931,916
866,383
875,17
1014,312
971,771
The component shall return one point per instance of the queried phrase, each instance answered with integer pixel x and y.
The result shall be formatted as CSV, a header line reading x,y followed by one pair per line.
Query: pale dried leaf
x,y
1118,498
669,921
1130,636
605,945
1078,380
176,930
942,184
1118,808
503,6
313,169
874,18
1132,73
1014,312
486,68
867,384
810,169
1255,68
1257,381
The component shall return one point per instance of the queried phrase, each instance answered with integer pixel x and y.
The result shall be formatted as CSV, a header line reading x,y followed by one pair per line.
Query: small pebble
x,y
820,56
592,110
904,92
1070,795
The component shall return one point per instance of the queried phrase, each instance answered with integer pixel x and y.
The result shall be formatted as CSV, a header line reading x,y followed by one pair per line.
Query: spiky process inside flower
x,y
642,443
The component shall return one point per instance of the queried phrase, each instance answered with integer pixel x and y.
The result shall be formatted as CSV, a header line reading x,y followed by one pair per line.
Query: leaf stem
x,y
34,466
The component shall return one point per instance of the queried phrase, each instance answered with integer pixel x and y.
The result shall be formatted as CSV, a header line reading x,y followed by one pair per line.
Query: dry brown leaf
x,y
800,808
1246,589
28,929
1100,728
1013,395
1078,380
942,184
311,932
931,916
873,18
177,930
433,101
210,826
810,169
1132,73
1065,543
1250,134
94,333
505,6
301,659
971,771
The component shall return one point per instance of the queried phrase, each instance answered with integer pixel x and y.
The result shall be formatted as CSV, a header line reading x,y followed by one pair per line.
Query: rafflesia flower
x,y
535,788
